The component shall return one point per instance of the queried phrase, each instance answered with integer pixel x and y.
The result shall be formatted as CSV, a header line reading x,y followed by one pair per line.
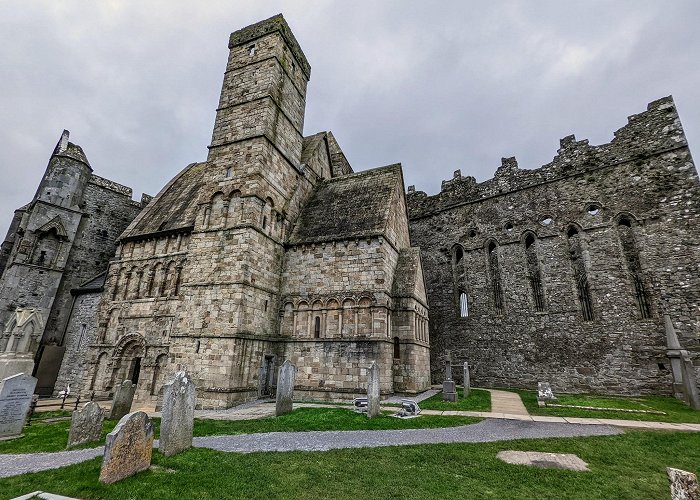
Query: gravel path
x,y
485,431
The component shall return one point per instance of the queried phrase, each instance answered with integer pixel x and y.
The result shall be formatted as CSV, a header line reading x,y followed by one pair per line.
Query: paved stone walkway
x,y
485,431
507,402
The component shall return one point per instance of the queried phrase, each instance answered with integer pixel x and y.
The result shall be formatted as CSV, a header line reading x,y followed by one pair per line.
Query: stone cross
x,y
684,485
15,398
128,448
448,370
285,388
86,425
373,391
122,400
177,414
467,380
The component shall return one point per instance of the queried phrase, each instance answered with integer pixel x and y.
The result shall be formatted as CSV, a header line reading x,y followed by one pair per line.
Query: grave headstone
x,y
449,391
128,448
467,380
86,425
684,485
15,398
689,383
448,370
373,408
122,400
177,414
285,388
544,393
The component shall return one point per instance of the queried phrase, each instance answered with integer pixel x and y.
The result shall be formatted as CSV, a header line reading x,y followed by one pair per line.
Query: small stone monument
x,y
86,425
128,448
122,400
177,415
682,369
544,394
684,485
285,388
449,388
467,380
373,408
15,398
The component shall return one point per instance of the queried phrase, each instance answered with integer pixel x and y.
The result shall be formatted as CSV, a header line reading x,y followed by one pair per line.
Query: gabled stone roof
x,y
175,207
310,145
408,274
348,207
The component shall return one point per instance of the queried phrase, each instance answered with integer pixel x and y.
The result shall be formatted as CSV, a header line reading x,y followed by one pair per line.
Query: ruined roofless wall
x,y
566,269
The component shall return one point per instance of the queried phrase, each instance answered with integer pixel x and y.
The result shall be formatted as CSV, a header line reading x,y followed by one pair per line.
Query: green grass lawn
x,y
478,400
628,466
40,437
676,410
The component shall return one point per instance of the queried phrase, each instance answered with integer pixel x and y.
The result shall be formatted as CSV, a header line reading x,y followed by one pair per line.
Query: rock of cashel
x,y
274,249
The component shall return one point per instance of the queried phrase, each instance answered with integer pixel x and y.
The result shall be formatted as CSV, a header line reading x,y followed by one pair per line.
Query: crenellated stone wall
x,y
567,269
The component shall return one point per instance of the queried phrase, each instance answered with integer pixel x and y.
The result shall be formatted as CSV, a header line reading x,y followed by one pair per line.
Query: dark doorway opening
x,y
135,370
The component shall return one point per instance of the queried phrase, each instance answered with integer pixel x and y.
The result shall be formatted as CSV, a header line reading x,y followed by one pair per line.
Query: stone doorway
x,y
267,373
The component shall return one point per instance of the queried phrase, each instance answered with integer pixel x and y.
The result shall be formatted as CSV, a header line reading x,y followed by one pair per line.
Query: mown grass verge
x,y
631,465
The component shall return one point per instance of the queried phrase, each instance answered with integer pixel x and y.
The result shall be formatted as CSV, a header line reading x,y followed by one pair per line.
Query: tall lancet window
x,y
533,272
631,254
580,275
495,275
459,274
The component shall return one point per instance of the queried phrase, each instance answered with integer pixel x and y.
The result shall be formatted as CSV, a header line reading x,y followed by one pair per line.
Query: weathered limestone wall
x,y
500,240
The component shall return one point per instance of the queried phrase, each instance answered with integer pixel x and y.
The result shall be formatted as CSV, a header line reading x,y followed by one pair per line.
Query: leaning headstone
x,y
122,400
689,384
285,388
544,393
373,391
86,425
128,448
467,380
177,415
684,485
15,398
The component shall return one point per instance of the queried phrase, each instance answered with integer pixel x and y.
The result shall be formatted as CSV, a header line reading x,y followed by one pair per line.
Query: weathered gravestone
x,y
373,397
544,393
177,415
467,380
684,485
122,400
15,398
128,448
285,388
86,425
449,388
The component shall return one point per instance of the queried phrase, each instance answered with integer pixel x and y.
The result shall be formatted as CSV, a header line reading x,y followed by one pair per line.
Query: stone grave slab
x,y
544,393
449,391
177,414
15,398
128,449
122,400
543,460
467,380
373,395
684,485
285,388
86,425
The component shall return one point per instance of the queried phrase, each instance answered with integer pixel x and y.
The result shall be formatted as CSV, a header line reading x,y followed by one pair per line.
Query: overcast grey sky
x,y
435,85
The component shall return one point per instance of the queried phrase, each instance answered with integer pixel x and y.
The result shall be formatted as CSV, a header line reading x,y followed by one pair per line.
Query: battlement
x,y
274,24
654,131
111,185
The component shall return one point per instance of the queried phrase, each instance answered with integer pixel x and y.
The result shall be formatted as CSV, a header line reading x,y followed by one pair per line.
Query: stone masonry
x,y
563,273
270,250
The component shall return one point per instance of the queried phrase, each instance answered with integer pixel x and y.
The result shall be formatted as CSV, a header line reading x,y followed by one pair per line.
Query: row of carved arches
x,y
576,245
335,318
161,279
22,331
223,211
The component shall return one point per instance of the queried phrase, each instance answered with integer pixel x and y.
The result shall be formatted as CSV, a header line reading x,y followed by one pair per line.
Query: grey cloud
x,y
436,85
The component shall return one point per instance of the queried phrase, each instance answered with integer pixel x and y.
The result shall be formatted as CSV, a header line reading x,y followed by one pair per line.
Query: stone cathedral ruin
x,y
274,249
